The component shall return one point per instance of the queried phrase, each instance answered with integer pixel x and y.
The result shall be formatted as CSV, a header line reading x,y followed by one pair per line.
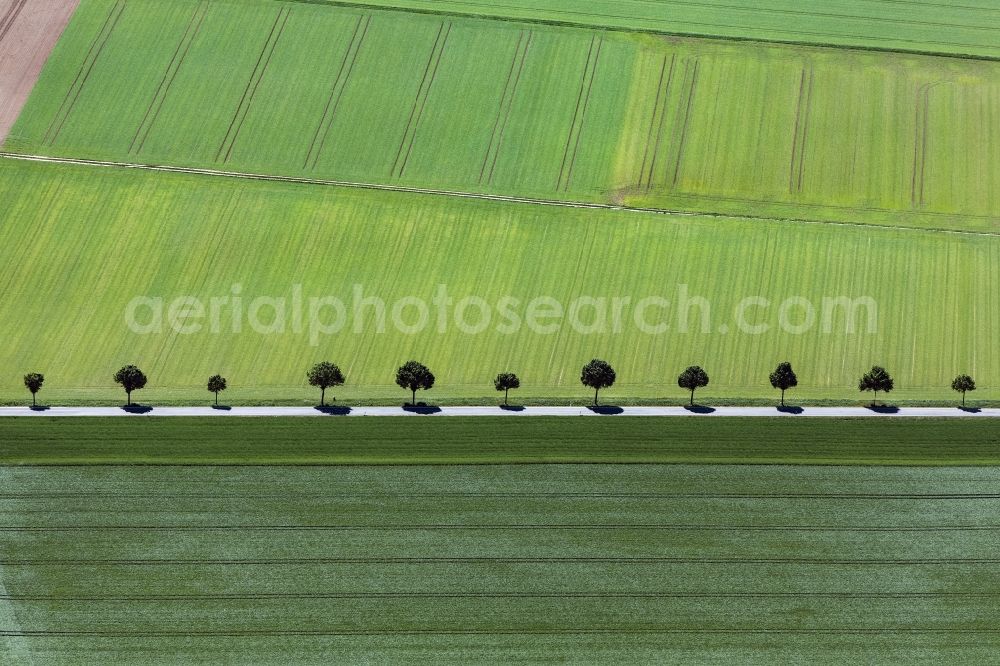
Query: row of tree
x,y
596,374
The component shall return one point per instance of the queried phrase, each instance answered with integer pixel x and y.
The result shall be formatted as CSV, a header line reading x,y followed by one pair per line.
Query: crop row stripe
x,y
337,91
93,53
263,60
423,92
160,96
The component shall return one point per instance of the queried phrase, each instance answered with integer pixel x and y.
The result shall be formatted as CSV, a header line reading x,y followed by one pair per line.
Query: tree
x,y
506,381
963,383
692,378
33,382
784,378
131,379
597,374
876,379
414,376
216,383
325,375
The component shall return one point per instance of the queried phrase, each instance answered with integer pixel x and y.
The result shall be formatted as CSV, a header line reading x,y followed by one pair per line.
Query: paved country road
x,y
935,412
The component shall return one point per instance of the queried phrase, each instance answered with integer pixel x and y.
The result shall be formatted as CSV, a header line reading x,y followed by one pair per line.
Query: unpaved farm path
x,y
29,29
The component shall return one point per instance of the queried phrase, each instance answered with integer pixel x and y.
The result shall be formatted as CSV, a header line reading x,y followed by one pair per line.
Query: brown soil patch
x,y
29,30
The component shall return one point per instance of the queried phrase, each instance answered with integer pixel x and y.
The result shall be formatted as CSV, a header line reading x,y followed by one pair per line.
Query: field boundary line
x,y
496,495
173,67
89,61
668,33
487,560
459,194
423,92
337,91
259,70
10,16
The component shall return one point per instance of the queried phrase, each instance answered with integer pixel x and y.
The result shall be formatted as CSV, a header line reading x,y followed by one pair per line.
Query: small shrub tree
x,y
325,375
33,382
216,383
597,374
963,383
691,379
414,376
877,379
784,378
506,381
131,379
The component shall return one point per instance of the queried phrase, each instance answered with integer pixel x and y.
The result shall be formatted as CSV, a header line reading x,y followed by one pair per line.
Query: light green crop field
x,y
556,112
912,25
79,244
474,564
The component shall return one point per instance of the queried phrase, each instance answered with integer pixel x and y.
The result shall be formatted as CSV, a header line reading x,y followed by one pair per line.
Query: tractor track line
x,y
502,495
416,100
500,106
458,194
663,123
169,75
423,102
69,101
576,112
251,87
10,16
337,91
687,119
583,115
652,120
510,107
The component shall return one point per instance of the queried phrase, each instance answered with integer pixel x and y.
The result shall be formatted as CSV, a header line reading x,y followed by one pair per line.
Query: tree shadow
x,y
971,410
883,409
512,408
39,408
222,408
700,409
421,408
333,410
790,409
136,408
606,410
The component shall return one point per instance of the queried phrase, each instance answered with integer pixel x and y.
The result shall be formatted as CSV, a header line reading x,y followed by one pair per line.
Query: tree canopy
x,y
131,379
414,376
692,379
325,375
877,379
506,381
597,374
783,378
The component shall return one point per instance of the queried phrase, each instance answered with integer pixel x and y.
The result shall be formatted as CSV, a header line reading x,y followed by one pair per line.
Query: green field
x,y
910,25
79,243
497,440
474,563
558,112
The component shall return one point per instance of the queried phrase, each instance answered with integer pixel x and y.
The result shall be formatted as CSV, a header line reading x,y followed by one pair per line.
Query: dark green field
x,y
497,440
596,563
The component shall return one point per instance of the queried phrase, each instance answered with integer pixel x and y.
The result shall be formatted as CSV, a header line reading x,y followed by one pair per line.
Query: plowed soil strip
x,y
28,32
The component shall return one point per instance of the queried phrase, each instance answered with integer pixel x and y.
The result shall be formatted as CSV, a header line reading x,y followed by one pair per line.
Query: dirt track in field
x,y
28,31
